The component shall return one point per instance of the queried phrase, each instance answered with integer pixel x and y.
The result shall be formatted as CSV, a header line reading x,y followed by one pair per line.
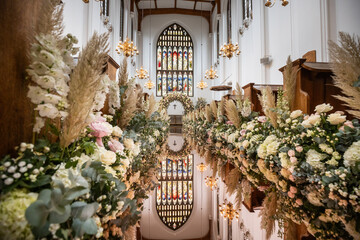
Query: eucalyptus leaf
x,y
55,217
37,213
40,232
45,196
75,192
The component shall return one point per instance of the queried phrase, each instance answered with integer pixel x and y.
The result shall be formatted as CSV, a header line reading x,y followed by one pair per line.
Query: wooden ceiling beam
x,y
218,4
195,4
155,4
175,3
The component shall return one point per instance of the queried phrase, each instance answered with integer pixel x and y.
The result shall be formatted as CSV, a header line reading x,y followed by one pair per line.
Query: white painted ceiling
x,y
204,5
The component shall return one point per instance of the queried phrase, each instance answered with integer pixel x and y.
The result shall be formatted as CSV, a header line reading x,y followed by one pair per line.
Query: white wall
x,y
197,27
197,225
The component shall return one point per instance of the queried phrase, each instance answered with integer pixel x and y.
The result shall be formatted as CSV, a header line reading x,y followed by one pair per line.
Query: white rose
x,y
336,118
323,108
117,132
352,154
296,114
129,143
245,144
250,126
107,157
306,124
314,119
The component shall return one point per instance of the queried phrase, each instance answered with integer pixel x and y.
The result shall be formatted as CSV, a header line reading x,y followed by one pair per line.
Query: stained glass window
x,y
174,62
175,194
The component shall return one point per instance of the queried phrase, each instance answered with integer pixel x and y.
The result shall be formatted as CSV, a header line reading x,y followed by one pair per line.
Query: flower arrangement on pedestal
x,y
86,174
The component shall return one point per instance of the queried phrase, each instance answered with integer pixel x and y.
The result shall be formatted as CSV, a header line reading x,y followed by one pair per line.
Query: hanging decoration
x,y
211,73
177,96
142,73
229,50
127,48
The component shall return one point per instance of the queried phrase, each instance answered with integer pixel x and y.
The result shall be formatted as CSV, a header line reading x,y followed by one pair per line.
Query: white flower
x,y
21,164
8,181
117,132
23,169
29,165
36,94
36,171
314,119
313,199
268,147
295,114
3,176
231,138
306,124
352,154
284,159
326,148
11,169
47,110
336,118
314,158
129,143
7,164
245,144
39,124
17,175
107,157
323,108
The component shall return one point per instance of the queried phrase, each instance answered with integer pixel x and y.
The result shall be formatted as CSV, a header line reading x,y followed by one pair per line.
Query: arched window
x,y
104,7
174,62
174,194
229,20
121,32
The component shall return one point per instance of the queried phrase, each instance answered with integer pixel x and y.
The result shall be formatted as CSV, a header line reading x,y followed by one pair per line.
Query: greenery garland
x,y
177,96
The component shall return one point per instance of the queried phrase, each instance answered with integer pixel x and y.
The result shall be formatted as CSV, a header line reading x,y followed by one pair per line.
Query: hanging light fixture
x,y
202,85
271,4
127,48
211,73
211,182
142,73
229,50
201,167
149,84
228,212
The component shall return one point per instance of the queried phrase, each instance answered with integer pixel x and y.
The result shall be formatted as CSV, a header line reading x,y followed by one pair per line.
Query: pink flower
x,y
293,189
208,140
262,119
291,169
242,132
347,123
291,195
99,130
115,145
299,202
293,159
292,178
291,153
299,148
230,123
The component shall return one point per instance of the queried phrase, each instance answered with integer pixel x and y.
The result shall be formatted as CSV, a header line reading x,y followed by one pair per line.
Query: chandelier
x,y
211,182
211,74
201,167
142,73
227,211
230,49
149,84
127,48
271,4
201,84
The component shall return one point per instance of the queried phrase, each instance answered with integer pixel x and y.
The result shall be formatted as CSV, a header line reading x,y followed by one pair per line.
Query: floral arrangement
x,y
177,96
200,103
185,150
308,165
86,174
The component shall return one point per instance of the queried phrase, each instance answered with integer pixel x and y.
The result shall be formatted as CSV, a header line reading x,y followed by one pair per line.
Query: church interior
x,y
180,119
